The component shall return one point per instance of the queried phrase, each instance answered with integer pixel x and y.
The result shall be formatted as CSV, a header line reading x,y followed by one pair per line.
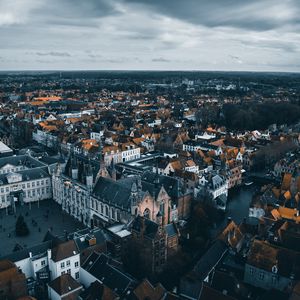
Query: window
x,y
261,276
76,264
77,275
68,263
69,271
63,272
43,263
62,265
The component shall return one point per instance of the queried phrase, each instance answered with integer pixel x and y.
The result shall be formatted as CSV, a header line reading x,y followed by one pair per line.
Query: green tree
x,y
21,227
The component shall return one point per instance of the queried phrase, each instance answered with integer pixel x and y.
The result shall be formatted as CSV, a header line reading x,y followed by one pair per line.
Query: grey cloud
x,y
160,59
54,53
255,14
76,12
289,47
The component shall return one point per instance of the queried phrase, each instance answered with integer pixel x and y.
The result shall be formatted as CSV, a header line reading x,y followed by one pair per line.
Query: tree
x,y
21,227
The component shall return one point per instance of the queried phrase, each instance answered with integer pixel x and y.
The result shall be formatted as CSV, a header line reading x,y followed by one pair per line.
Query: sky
x,y
231,35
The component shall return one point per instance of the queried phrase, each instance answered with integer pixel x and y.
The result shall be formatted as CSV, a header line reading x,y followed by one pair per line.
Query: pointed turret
x,y
89,176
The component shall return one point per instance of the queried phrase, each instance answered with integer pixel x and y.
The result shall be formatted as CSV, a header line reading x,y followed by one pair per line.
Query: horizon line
x,y
147,70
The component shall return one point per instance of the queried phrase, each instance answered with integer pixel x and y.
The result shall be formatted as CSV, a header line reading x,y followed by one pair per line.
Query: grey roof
x,y
171,229
210,259
25,160
37,250
27,175
153,182
101,267
112,192
150,228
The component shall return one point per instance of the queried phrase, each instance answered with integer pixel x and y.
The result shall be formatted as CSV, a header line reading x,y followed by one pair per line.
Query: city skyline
x,y
139,35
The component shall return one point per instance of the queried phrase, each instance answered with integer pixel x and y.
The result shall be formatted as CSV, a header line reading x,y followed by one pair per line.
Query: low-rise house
x,y
64,259
270,267
64,287
12,281
146,290
101,268
192,283
213,187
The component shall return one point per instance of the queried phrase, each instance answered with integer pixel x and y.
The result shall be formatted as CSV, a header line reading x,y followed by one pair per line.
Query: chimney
x,y
30,254
49,252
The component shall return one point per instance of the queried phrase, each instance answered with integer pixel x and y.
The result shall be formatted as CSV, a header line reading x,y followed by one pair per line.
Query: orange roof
x,y
289,213
286,181
287,195
51,98
276,192
218,143
275,213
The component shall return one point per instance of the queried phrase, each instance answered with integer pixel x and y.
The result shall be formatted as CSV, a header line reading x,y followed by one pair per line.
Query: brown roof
x,y
265,256
209,293
231,234
64,250
286,182
146,290
64,284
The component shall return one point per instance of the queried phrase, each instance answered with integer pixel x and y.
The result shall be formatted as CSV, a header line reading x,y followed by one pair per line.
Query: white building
x,y
64,259
215,188
64,287
96,135
45,138
23,179
130,152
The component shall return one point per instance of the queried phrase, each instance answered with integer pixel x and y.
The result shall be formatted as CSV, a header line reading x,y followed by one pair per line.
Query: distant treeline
x,y
259,115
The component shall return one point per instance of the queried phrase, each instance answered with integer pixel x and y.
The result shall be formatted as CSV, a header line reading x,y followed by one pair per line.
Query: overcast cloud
x,y
256,35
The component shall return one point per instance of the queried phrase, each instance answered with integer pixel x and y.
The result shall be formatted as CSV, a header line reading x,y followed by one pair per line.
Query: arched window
x,y
112,213
147,213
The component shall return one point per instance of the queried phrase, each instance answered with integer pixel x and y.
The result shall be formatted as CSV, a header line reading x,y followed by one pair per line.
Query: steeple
x,y
102,170
89,175
74,165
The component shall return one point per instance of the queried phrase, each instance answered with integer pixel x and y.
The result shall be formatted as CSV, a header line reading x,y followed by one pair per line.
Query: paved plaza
x,y
47,215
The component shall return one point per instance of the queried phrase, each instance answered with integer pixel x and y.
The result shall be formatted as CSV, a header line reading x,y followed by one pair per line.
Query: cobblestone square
x,y
47,215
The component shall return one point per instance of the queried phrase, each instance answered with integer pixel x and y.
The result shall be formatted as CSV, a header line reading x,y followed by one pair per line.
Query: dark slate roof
x,y
190,287
112,192
37,250
100,235
27,175
150,227
171,230
64,284
97,291
18,160
209,260
209,293
100,266
153,182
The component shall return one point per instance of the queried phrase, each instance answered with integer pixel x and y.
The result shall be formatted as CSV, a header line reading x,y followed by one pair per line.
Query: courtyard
x,y
40,217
